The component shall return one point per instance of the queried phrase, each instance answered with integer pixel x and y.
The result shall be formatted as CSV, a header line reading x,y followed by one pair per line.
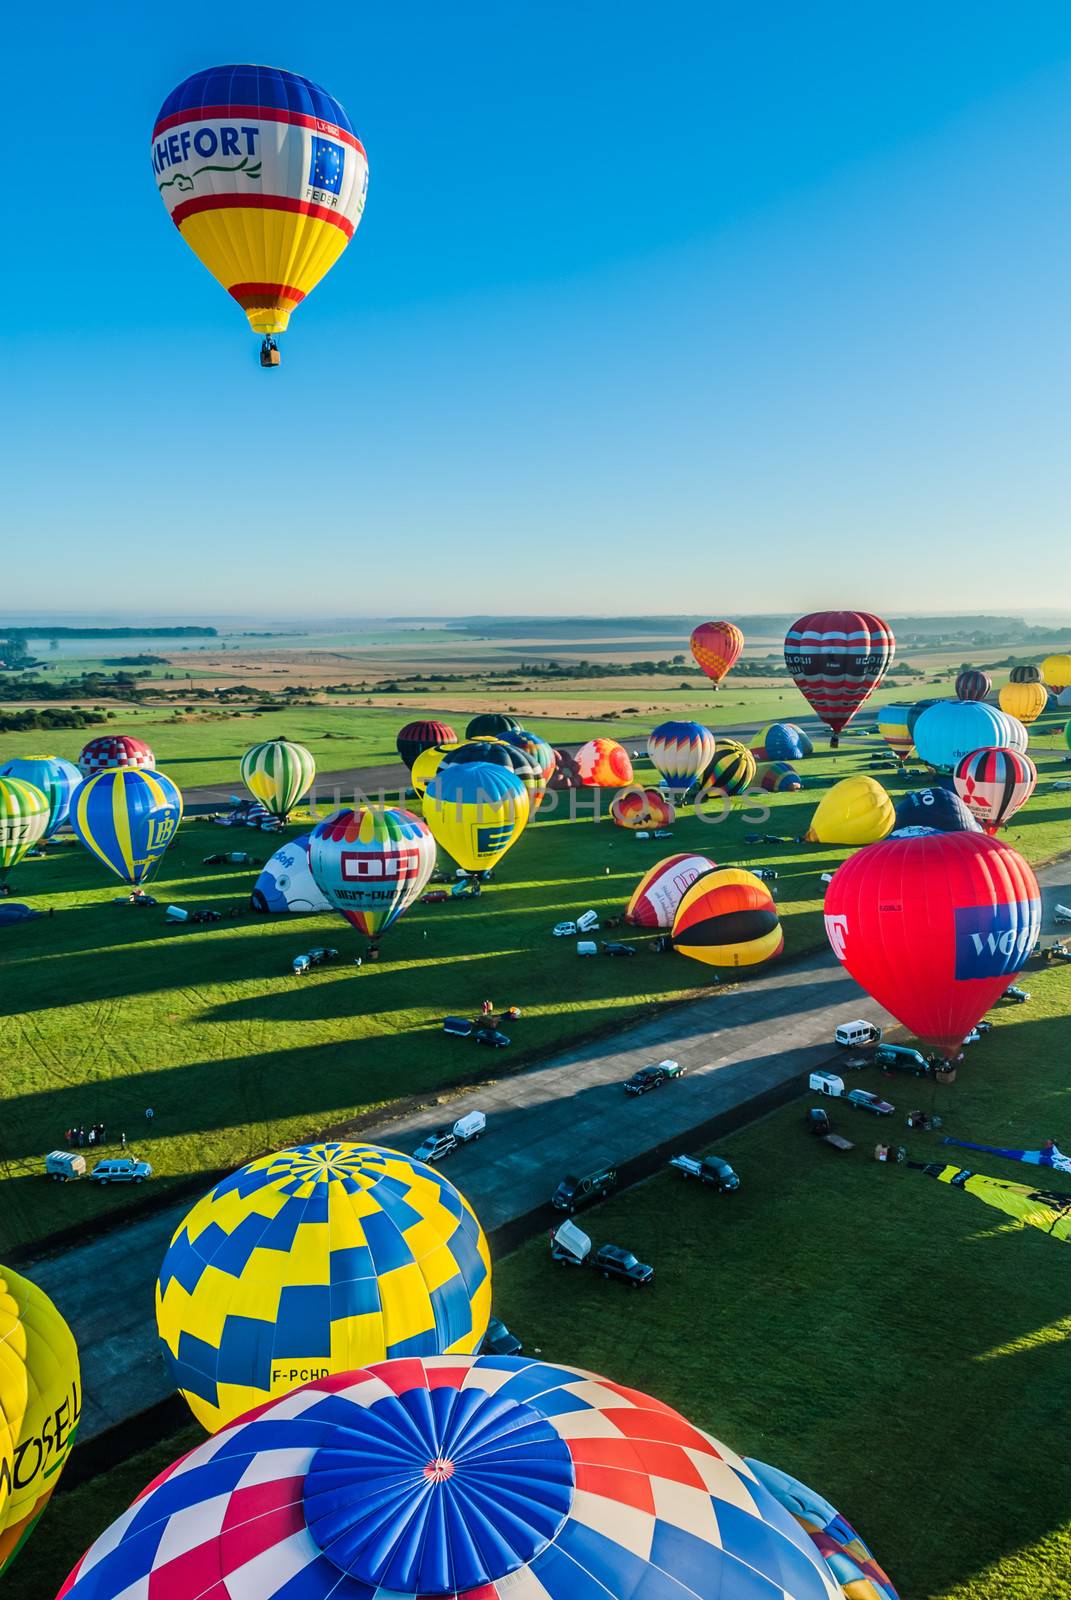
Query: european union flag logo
x,y
328,165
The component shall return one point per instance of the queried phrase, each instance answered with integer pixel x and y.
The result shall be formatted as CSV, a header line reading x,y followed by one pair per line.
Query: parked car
x,y
498,1341
653,1077
662,833
493,1037
434,897
564,930
1017,996
613,947
901,1058
854,1034
436,1145
863,1100
321,953
613,1261
767,874
64,1165
712,1170
574,1192
121,1169
300,965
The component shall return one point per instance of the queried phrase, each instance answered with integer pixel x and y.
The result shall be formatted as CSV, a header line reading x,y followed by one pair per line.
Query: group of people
x,y
79,1137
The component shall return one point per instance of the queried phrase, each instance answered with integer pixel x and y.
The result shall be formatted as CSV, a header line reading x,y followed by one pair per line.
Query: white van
x,y
826,1083
470,1126
853,1034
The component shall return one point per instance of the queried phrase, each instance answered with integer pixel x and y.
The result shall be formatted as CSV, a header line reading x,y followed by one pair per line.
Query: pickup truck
x,y
708,1169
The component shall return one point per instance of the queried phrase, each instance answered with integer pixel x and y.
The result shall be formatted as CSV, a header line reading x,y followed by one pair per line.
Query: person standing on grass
x,y
122,1141
149,1114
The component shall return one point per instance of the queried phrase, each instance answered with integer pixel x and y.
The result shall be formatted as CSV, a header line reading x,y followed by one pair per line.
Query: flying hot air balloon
x,y
837,659
1024,701
127,819
934,928
312,1261
265,179
680,751
951,729
278,773
716,647
994,784
24,814
57,780
418,736
372,864
40,1404
973,685
1056,672
728,919
115,750
473,1478
476,812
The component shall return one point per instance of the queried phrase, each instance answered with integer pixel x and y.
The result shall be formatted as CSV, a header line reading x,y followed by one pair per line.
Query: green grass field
x,y
893,1342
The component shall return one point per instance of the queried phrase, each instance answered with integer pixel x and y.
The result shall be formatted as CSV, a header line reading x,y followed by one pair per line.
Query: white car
x,y
1062,783
564,930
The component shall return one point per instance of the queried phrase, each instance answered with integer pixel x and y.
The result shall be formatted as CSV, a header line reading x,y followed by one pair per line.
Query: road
x,y
741,1047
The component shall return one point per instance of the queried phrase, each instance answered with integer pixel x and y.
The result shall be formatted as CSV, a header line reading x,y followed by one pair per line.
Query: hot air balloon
x,y
1026,675
778,777
24,813
287,884
542,756
994,784
127,818
1047,1209
728,919
848,1557
485,1477
731,769
654,901
680,751
264,177
1056,672
372,864
428,763
837,659
637,807
934,929
973,685
418,736
278,773
566,773
476,812
115,750
917,707
494,751
716,647
894,729
493,724
603,764
1024,701
57,780
939,809
952,729
855,811
782,741
314,1261
40,1403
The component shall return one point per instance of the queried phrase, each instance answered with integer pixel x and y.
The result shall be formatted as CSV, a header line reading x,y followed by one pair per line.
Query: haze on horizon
x,y
693,312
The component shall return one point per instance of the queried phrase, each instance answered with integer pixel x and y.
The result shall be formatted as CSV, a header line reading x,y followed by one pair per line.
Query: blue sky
x,y
701,307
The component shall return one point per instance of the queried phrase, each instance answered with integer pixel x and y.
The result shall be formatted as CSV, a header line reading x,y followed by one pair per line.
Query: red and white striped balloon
x,y
994,784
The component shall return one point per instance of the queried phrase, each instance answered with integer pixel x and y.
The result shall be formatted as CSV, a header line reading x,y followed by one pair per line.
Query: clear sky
x,y
693,307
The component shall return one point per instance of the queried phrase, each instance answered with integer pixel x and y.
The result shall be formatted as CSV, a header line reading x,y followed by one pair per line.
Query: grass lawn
x,y
109,1010
893,1342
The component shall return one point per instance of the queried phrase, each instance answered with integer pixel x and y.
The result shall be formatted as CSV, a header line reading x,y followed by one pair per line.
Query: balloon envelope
x,y
287,884
1056,671
372,864
358,1486
855,811
24,812
716,647
728,919
40,1404
731,769
654,901
57,780
778,776
603,764
994,784
1025,701
934,929
680,751
637,807
849,1559
940,809
495,724
476,812
278,773
127,819
894,729
428,763
265,179
316,1260
418,736
114,750
782,741
1025,674
837,659
951,729
973,685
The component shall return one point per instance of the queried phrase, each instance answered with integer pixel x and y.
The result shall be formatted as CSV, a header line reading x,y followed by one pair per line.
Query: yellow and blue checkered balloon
x,y
314,1261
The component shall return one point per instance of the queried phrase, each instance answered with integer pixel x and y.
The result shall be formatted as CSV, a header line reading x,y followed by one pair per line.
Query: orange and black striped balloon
x,y
728,919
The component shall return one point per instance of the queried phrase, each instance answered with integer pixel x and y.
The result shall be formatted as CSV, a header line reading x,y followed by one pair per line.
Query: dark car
x,y
613,947
717,1172
493,1037
498,1341
863,1100
818,1121
615,1262
901,1058
662,833
647,1078
435,897
574,1192
1017,996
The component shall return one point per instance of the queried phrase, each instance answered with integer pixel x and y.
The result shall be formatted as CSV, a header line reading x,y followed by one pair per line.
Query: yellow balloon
x,y
40,1403
1056,671
426,765
1023,700
855,811
476,812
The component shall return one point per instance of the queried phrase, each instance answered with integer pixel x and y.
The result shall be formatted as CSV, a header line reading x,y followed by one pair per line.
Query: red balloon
x,y
423,735
716,647
837,659
934,928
